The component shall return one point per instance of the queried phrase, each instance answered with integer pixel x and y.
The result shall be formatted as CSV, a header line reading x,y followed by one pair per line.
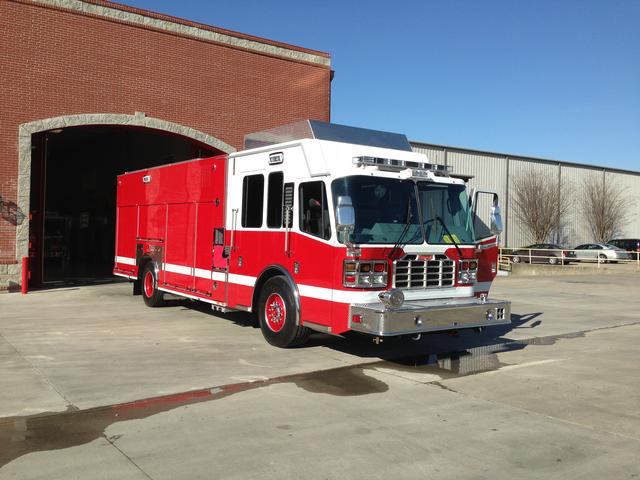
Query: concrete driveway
x,y
96,385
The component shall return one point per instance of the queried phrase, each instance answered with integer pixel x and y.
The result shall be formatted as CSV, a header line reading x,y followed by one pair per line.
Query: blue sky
x,y
556,79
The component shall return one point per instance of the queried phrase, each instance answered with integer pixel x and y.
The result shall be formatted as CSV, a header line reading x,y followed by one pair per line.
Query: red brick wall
x,y
57,62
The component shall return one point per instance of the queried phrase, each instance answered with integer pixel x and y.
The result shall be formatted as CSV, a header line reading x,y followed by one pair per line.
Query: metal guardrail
x,y
565,256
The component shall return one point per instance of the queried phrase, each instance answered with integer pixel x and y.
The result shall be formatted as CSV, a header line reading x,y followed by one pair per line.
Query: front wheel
x,y
603,258
515,259
277,314
150,293
552,260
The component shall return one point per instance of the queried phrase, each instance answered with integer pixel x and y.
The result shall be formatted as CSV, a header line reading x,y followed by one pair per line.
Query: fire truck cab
x,y
315,226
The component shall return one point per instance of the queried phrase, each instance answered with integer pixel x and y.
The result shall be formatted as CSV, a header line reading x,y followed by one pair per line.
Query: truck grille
x,y
412,272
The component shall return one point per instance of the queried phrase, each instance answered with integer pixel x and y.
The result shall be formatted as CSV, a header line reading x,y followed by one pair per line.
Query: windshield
x,y
446,213
383,206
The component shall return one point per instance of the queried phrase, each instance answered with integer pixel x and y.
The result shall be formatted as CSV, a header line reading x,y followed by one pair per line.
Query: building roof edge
x,y
146,18
523,157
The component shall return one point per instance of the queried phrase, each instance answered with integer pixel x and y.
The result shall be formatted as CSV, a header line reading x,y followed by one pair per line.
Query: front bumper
x,y
420,316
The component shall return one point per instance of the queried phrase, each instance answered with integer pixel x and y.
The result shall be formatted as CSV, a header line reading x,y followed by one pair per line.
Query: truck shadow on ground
x,y
446,355
425,350
444,344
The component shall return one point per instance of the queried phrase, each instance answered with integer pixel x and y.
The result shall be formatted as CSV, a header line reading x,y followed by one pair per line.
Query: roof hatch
x,y
327,131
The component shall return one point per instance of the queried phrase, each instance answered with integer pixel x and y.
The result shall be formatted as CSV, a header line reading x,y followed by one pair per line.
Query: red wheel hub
x,y
148,284
275,312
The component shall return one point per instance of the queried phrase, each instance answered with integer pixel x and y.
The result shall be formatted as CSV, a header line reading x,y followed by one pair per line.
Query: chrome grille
x,y
412,272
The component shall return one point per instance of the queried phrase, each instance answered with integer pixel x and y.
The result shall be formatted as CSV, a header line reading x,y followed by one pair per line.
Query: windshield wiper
x,y
404,230
453,239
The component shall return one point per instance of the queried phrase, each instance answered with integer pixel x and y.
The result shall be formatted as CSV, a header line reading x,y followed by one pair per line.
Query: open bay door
x,y
487,224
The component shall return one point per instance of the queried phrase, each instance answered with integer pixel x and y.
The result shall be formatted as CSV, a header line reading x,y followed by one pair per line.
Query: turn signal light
x,y
350,267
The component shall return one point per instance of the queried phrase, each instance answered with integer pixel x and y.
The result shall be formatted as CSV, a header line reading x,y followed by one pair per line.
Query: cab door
x,y
487,223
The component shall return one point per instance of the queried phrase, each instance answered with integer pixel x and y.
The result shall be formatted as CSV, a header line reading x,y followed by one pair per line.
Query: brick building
x,y
91,89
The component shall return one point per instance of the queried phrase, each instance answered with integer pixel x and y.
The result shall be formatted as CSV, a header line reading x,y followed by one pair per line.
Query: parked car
x,y
602,252
631,245
543,253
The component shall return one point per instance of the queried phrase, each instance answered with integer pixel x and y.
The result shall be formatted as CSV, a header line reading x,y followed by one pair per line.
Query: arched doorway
x,y
72,186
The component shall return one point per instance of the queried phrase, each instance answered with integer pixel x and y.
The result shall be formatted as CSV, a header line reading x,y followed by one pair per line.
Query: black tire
x,y
150,294
277,314
515,259
552,260
602,258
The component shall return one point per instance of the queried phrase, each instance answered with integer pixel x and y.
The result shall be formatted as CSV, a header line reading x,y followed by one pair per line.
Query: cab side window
x,y
252,200
314,210
274,200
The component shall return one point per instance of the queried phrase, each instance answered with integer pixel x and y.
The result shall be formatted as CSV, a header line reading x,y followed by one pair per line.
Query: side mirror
x,y
345,214
496,218
487,219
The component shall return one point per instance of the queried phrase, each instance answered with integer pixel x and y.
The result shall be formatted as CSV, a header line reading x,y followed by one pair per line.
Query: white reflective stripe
x,y
202,273
181,269
219,276
328,294
245,280
199,272
357,296
126,260
320,293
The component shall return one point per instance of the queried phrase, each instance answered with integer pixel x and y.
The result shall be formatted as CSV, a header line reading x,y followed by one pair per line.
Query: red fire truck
x,y
315,226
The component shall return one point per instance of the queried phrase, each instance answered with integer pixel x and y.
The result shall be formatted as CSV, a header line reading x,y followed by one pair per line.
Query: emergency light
x,y
419,168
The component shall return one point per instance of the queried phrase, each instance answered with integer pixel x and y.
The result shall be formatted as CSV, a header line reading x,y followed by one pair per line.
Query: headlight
x,y
467,271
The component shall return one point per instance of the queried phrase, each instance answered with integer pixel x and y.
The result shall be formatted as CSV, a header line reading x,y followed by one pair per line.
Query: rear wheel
x,y
150,293
552,260
515,259
277,314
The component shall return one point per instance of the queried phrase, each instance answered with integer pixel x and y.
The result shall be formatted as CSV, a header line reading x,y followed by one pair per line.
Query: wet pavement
x,y
512,403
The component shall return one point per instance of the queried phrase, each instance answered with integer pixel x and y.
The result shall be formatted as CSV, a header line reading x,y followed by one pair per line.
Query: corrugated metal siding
x,y
489,172
498,172
517,234
575,229
435,154
631,186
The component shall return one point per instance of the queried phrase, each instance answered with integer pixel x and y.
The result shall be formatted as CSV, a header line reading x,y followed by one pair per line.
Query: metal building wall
x,y
498,172
435,154
517,235
631,183
489,173
575,228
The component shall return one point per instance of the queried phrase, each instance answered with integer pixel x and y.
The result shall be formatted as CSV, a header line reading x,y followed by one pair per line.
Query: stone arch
x,y
139,119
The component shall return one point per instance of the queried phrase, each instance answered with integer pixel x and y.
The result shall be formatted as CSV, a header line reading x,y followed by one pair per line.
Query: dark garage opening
x,y
73,195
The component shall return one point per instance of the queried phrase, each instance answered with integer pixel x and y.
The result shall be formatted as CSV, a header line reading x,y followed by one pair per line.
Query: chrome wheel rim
x,y
148,285
275,312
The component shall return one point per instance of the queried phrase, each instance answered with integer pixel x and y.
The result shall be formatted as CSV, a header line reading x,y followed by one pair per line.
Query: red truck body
x,y
258,231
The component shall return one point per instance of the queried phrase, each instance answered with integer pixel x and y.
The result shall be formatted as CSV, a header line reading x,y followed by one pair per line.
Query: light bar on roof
x,y
397,165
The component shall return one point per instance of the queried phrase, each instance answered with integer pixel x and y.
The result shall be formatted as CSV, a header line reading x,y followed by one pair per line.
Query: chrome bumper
x,y
420,316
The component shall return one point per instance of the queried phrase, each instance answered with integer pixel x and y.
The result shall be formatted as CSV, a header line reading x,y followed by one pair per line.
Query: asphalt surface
x,y
96,385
